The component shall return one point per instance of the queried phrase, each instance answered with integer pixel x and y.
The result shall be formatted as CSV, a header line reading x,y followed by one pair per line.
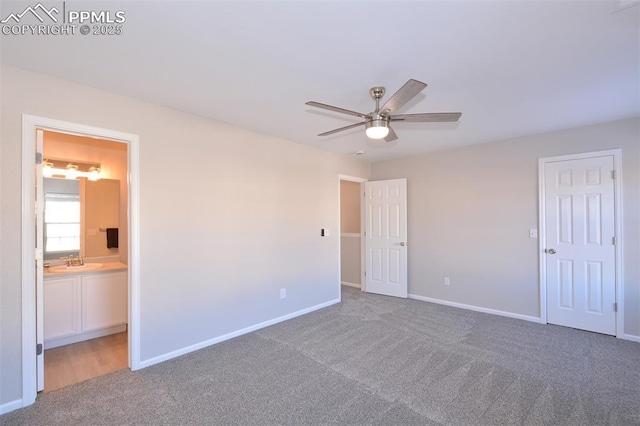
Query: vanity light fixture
x,y
94,173
47,168
70,169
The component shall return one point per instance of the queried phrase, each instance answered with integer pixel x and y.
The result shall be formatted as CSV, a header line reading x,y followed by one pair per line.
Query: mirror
x,y
81,217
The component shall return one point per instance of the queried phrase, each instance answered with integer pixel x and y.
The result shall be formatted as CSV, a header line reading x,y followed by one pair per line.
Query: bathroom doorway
x,y
84,231
32,279
351,194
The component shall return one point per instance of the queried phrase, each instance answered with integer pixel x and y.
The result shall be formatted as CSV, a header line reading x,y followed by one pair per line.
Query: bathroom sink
x,y
68,269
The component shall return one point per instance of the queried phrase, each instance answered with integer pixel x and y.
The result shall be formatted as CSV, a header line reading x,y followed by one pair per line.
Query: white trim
x,y
475,308
630,337
134,322
542,242
209,342
350,235
29,358
352,178
10,406
348,284
618,219
29,125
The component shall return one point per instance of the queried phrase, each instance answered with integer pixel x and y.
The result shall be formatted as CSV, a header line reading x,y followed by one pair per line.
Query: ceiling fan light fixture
x,y
377,129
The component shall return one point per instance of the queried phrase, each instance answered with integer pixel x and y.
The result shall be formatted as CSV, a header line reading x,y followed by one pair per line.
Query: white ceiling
x,y
511,67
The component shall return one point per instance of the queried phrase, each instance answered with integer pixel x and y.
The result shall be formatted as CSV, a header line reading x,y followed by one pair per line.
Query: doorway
x,y
32,285
580,247
350,238
84,221
351,254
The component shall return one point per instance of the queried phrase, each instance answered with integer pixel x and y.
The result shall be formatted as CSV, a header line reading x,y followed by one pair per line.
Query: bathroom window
x,y
61,225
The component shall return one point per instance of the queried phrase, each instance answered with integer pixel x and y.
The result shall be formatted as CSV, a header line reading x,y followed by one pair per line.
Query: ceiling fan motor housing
x,y
377,120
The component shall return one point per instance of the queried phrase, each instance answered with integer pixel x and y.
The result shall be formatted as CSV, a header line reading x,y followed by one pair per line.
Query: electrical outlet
x,y
447,281
283,293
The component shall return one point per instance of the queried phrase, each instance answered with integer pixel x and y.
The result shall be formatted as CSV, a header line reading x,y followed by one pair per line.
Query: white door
x,y
39,260
385,238
580,251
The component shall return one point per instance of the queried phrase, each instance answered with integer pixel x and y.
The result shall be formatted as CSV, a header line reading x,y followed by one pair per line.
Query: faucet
x,y
73,260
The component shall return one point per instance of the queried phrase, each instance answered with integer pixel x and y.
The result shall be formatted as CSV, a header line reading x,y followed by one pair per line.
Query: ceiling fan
x,y
377,123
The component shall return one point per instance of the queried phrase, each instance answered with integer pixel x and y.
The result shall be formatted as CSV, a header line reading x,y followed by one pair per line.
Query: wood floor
x,y
66,365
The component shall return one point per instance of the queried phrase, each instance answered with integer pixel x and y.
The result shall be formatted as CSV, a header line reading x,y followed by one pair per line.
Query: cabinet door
x,y
60,307
104,300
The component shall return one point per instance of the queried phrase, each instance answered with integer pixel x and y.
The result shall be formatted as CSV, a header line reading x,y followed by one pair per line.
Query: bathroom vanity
x,y
84,303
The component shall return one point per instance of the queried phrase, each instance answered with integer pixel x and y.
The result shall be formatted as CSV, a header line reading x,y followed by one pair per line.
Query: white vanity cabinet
x,y
61,313
104,300
84,306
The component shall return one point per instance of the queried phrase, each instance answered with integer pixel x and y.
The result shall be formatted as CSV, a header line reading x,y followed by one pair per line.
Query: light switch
x,y
533,233
324,232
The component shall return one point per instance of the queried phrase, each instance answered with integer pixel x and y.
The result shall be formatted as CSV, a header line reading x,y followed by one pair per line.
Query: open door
x,y
385,237
580,236
39,261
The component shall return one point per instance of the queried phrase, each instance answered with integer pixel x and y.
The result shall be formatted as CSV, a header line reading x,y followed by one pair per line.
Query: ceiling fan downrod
x,y
376,94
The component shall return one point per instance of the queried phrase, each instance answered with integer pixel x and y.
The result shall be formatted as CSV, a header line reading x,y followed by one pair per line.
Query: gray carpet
x,y
371,360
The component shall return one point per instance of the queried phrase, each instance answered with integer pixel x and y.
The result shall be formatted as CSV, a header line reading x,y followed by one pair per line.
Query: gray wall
x,y
470,209
227,218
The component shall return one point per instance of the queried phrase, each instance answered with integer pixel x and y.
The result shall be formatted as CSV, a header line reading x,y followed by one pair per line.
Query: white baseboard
x,y
476,308
348,284
10,406
630,337
75,338
204,344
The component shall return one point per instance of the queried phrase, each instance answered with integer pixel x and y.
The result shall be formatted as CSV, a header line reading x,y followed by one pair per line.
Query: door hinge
x,y
39,349
613,240
613,174
615,307
38,158
365,273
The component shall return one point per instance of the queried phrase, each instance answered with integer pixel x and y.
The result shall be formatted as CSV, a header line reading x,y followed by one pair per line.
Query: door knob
x,y
551,251
403,244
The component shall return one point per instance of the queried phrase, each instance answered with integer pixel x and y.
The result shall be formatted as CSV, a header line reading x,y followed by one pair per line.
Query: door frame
x,y
29,125
618,268
362,258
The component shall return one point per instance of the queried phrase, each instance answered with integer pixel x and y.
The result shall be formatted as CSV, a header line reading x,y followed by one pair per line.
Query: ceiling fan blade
x,y
391,136
351,126
407,92
428,117
336,109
